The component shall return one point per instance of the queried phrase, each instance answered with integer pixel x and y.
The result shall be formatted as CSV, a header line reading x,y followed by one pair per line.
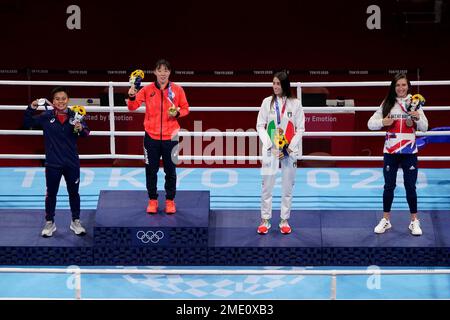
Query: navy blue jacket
x,y
60,140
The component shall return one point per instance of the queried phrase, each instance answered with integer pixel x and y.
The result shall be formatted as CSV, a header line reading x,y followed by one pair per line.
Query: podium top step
x,y
126,208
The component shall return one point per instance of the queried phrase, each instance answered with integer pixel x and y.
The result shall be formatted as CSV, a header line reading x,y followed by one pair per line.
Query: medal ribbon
x,y
401,105
277,108
170,93
409,122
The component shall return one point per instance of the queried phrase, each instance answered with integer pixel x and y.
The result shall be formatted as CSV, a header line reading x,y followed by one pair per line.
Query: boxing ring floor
x,y
328,190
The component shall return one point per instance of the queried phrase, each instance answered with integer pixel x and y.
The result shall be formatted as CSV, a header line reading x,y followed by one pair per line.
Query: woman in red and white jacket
x,y
165,103
400,148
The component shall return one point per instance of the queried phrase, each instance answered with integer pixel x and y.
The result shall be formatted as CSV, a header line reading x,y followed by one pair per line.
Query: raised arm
x,y
135,99
31,120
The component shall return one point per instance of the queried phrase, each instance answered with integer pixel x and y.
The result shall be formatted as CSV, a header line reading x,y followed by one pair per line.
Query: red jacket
x,y
157,122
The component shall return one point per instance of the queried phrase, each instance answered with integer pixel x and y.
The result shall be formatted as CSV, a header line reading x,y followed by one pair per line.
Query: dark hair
x,y
285,85
163,62
391,96
59,89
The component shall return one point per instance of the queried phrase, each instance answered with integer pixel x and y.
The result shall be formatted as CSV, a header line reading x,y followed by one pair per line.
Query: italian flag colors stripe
x,y
289,133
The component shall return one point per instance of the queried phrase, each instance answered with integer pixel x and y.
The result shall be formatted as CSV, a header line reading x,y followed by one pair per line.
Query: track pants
x,y
269,169
408,162
153,151
53,178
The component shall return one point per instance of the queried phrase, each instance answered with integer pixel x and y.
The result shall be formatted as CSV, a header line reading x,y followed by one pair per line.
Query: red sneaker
x,y
152,207
264,226
285,228
170,207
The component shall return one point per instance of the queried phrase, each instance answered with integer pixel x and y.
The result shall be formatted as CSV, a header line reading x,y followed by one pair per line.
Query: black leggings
x,y
153,151
408,162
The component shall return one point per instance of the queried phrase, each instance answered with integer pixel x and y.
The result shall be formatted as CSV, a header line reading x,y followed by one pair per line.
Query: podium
x,y
125,234
120,232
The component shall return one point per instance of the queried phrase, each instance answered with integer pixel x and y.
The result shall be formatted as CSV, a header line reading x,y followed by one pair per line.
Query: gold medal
x,y
173,110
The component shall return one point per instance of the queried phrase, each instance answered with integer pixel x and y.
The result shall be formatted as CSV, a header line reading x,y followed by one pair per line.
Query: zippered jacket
x,y
400,138
157,123
59,138
292,122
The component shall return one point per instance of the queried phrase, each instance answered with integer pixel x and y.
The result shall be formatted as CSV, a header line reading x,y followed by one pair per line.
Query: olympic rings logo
x,y
150,236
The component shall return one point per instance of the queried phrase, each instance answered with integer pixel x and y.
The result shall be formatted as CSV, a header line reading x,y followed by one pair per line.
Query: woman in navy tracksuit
x,y
61,155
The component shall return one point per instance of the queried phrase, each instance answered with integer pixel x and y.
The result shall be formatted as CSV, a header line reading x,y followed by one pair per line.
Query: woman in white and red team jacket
x,y
400,148
280,115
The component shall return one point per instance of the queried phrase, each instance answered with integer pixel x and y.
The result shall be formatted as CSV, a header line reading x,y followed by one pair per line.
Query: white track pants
x,y
270,167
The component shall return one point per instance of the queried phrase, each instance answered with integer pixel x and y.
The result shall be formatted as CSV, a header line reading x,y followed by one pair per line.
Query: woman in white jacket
x,y
400,148
280,124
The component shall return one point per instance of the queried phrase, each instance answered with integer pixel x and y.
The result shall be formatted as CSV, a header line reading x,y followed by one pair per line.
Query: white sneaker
x,y
382,226
48,230
264,226
76,227
414,226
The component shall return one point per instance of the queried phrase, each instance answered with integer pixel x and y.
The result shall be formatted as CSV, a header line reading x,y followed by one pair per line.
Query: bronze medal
x,y
409,122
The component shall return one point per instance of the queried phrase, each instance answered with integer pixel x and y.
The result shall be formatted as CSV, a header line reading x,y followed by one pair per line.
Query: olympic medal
x,y
409,122
41,102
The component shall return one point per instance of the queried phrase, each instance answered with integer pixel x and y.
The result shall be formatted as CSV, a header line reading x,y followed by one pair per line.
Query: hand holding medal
x,y
173,111
42,102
